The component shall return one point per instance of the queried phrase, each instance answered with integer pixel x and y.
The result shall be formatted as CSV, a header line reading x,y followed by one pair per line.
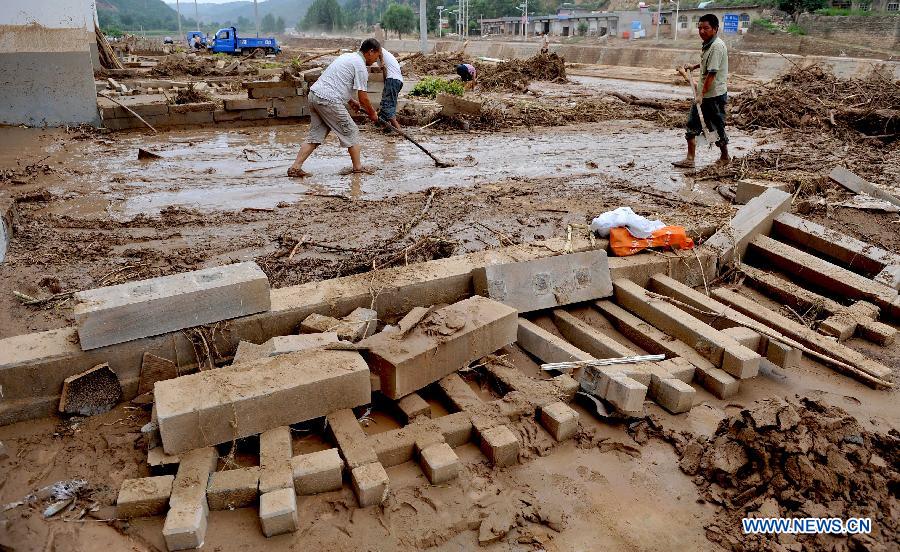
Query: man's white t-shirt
x,y
392,65
339,80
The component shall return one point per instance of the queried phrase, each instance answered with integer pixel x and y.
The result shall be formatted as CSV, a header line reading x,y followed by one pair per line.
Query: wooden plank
x,y
655,341
802,334
718,348
824,274
855,254
856,184
752,219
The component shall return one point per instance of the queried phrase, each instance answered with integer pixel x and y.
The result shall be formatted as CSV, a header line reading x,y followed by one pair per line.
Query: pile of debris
x,y
200,66
437,63
192,94
517,74
813,98
797,459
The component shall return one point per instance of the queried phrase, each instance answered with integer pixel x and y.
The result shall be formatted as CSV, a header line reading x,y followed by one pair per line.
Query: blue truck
x,y
227,41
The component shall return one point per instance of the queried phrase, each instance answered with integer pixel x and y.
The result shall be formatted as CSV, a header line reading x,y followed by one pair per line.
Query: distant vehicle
x,y
227,41
168,40
190,39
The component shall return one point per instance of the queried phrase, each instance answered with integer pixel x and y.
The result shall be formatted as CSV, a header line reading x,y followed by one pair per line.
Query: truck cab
x,y
227,41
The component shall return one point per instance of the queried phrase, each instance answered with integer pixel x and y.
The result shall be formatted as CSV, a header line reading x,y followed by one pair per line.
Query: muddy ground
x,y
90,214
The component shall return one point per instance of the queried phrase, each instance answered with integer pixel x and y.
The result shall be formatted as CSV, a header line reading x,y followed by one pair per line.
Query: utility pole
x,y
178,9
440,10
525,27
197,17
423,27
658,17
256,16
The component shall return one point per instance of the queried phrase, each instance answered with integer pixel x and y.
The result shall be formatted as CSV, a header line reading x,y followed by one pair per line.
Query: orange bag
x,y
622,243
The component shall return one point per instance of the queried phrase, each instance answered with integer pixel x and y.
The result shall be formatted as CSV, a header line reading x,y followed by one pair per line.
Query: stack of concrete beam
x,y
286,99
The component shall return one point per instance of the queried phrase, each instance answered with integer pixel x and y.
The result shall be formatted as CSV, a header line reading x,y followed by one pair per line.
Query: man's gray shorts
x,y
326,116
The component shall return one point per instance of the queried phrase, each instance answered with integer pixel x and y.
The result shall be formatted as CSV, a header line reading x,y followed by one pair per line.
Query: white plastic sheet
x,y
638,226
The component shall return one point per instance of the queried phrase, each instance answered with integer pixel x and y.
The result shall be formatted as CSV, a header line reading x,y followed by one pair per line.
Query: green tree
x,y
399,18
267,24
279,25
242,25
796,7
323,14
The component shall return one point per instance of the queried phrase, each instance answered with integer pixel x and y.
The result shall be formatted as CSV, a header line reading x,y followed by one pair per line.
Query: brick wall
x,y
875,31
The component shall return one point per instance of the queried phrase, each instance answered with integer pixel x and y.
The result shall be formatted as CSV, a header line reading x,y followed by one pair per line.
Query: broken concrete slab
x,y
232,489
154,369
361,323
748,188
370,483
545,283
560,420
455,105
317,472
144,497
90,393
440,463
217,406
855,254
278,512
133,310
275,460
719,349
447,340
754,218
161,463
283,344
824,274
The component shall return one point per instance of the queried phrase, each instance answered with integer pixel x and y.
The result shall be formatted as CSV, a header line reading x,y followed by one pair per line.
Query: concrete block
x,y
587,338
717,381
320,323
752,219
447,340
143,497
291,107
317,472
361,324
546,346
278,512
672,394
240,104
546,283
783,355
223,116
133,310
440,463
370,483
454,105
247,352
217,406
412,406
283,92
160,462
254,114
456,428
560,420
232,489
625,393
746,337
185,526
90,393
275,460
500,445
748,188
678,368
350,438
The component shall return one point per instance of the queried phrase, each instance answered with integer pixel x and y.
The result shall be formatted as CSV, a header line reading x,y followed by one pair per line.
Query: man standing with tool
x,y
393,82
713,93
328,101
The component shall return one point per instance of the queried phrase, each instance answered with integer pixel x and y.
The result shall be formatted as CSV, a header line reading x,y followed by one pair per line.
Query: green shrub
x,y
429,87
764,24
845,11
795,29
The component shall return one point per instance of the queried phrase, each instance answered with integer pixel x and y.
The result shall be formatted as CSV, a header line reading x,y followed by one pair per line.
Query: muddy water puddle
x,y
235,169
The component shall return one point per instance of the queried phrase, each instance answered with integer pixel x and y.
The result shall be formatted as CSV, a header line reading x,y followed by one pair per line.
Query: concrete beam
x,y
721,350
805,336
752,219
825,275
